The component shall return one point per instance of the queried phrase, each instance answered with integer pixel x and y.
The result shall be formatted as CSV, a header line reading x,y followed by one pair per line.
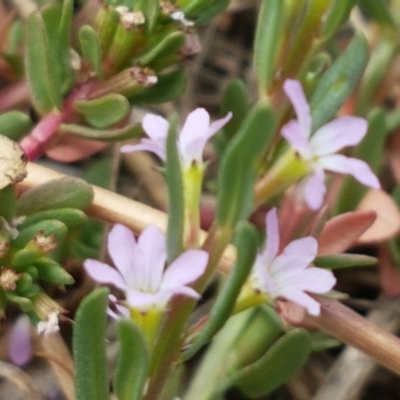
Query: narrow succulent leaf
x,y
246,243
205,10
24,303
167,46
238,166
344,261
133,362
235,100
51,227
91,48
371,150
381,58
71,217
176,209
104,111
109,135
8,202
337,15
51,271
15,124
89,347
378,10
23,259
168,87
107,22
338,82
150,10
276,366
267,42
40,71
66,192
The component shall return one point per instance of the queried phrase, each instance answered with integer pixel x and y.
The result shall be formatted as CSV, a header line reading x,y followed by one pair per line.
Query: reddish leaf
x,y
387,223
342,231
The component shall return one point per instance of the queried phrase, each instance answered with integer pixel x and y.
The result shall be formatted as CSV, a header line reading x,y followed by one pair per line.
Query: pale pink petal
x,y
313,280
294,91
311,305
103,273
337,134
217,125
296,256
156,127
162,297
314,189
193,136
153,246
185,269
272,239
359,169
140,300
157,148
292,133
20,342
121,247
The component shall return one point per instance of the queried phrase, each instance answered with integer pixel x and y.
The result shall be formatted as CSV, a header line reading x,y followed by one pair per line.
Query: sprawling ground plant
x,y
200,304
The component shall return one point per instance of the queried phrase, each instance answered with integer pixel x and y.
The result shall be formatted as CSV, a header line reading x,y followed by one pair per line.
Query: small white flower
x,y
49,326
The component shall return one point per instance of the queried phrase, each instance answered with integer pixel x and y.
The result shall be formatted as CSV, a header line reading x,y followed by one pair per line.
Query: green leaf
x,y
71,217
105,111
133,362
150,10
66,192
170,44
246,243
344,261
176,208
24,303
338,82
47,228
8,202
238,166
109,135
267,42
205,10
378,11
168,87
91,48
51,271
338,14
284,359
235,100
40,71
381,58
89,347
15,124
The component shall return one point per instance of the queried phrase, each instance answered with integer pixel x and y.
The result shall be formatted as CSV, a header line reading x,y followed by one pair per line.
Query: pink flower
x,y
140,268
20,342
320,148
289,274
195,133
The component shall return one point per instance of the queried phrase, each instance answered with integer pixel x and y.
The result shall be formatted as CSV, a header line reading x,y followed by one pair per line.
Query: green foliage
x,y
338,82
105,111
276,366
15,124
176,209
344,261
133,362
91,48
66,192
89,347
238,165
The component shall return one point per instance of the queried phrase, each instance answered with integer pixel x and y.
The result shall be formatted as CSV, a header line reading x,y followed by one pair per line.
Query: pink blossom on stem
x,y
320,148
140,268
193,137
289,274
